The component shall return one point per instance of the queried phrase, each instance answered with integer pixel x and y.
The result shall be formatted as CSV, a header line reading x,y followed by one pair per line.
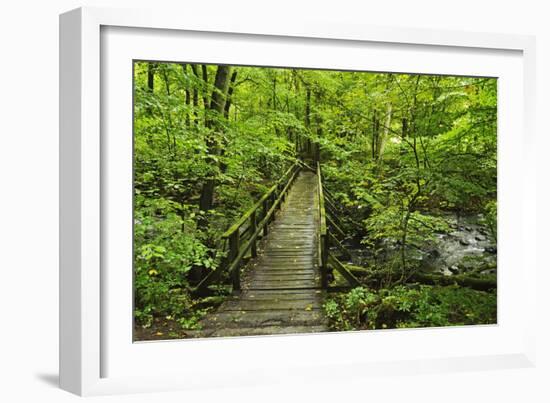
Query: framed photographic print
x,y
316,197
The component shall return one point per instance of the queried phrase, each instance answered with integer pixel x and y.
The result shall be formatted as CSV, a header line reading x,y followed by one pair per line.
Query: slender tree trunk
x,y
166,80
195,70
386,129
230,94
318,125
151,76
307,116
216,108
205,88
150,83
274,92
374,139
226,109
187,97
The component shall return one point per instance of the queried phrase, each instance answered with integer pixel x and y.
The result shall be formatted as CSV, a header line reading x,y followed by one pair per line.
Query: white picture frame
x,y
86,343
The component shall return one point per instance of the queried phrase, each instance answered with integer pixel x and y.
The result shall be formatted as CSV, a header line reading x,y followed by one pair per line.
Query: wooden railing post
x,y
265,211
253,227
324,239
233,253
325,247
272,198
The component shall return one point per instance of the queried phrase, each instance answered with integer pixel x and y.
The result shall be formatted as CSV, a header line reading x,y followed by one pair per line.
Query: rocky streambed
x,y
466,248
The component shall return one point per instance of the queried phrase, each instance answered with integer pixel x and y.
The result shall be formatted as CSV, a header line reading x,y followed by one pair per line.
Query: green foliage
x,y
412,306
164,254
396,150
428,145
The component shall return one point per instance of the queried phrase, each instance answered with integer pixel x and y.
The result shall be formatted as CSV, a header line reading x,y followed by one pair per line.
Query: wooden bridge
x,y
292,238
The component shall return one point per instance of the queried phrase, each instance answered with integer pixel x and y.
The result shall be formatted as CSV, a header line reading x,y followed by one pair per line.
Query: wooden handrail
x,y
243,219
326,239
350,278
322,212
258,216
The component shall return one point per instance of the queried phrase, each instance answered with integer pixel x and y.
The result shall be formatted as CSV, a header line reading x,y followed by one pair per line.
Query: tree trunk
x,y
230,94
318,125
307,117
187,97
171,139
213,113
216,108
374,278
195,70
205,86
374,139
150,83
386,129
151,76
226,109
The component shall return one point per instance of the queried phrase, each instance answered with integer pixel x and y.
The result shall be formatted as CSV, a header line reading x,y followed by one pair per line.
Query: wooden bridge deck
x,y
281,290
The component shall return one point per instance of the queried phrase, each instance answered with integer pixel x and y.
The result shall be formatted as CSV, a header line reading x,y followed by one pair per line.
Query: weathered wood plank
x,y
290,292
235,319
350,278
259,331
272,304
283,284
278,275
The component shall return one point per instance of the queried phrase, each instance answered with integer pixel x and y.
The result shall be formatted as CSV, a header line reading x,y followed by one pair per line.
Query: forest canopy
x,y
410,160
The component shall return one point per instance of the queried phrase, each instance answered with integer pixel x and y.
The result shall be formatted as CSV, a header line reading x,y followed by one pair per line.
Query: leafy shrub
x,y
414,306
163,257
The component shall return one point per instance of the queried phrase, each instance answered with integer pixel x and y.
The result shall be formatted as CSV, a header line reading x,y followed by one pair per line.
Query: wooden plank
x,y
259,331
285,276
236,319
335,227
289,249
350,278
304,254
284,285
275,256
300,297
285,271
281,293
285,260
272,304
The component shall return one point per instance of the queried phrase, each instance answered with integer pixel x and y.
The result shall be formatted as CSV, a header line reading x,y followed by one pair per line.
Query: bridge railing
x,y
324,241
242,236
329,224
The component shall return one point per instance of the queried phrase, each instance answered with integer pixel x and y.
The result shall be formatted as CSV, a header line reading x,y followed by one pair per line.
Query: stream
x,y
466,248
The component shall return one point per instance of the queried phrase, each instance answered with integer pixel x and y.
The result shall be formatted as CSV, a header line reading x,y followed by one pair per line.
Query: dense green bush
x,y
167,247
410,306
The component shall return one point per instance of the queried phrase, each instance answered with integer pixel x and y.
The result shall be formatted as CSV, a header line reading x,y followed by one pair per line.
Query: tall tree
x,y
214,113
